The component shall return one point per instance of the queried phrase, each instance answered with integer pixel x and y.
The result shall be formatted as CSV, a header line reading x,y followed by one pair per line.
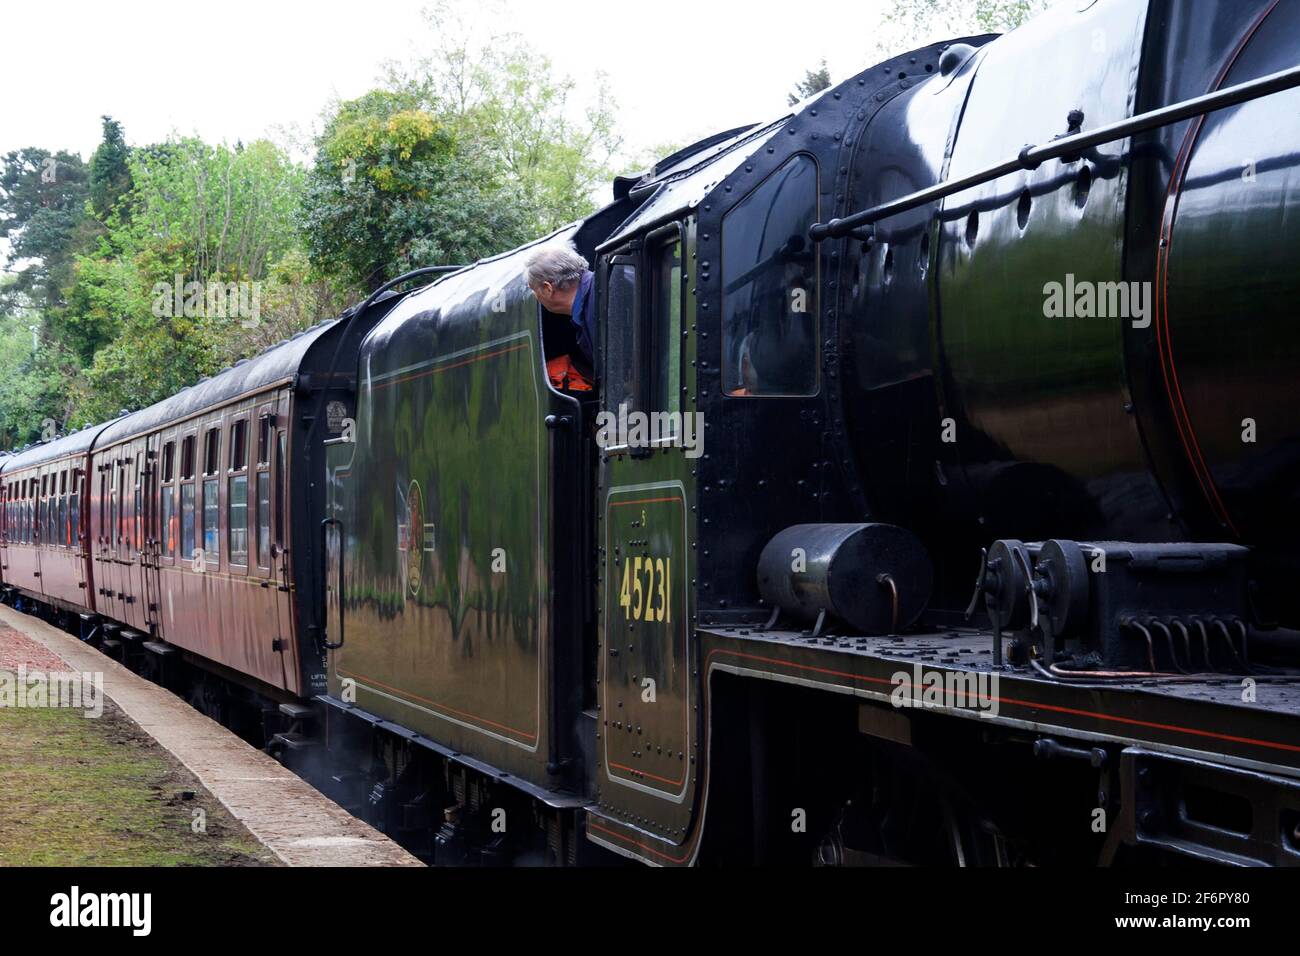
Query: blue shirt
x,y
584,315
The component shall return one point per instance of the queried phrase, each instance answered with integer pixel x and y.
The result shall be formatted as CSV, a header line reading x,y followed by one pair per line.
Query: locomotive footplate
x,y
1247,722
1207,722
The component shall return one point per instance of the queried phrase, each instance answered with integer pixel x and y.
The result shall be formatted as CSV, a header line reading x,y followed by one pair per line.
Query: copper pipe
x,y
893,594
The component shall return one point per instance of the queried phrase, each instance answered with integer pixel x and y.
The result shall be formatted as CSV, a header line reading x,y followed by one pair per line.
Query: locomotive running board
x,y
552,798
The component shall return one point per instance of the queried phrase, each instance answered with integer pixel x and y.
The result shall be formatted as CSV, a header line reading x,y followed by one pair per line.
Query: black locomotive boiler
x,y
986,553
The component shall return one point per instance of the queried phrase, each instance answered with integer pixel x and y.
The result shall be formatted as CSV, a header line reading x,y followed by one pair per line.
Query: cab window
x,y
621,373
769,276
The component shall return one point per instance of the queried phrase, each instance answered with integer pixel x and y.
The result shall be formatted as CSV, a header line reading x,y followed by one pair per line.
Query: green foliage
x,y
33,383
814,81
503,100
999,16
42,214
913,23
209,211
392,187
194,213
110,172
147,360
105,290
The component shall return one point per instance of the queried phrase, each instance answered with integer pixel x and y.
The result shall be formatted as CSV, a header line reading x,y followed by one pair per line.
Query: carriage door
x,y
6,528
76,529
281,515
150,541
645,667
128,583
106,503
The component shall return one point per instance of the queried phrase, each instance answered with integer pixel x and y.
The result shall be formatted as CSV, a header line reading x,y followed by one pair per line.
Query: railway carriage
x,y
43,551
189,530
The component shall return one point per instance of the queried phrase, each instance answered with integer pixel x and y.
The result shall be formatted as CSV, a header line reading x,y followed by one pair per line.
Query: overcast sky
x,y
238,69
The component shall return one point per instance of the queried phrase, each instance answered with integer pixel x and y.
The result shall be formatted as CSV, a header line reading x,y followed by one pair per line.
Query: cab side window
x,y
769,275
622,376
643,328
665,353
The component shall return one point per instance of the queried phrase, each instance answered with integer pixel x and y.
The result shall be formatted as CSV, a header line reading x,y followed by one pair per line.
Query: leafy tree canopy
x,y
814,81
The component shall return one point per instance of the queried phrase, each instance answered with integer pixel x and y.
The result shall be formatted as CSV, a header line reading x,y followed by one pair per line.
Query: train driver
x,y
563,284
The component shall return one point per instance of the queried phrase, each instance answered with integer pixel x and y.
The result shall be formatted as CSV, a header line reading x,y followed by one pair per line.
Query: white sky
x,y
238,69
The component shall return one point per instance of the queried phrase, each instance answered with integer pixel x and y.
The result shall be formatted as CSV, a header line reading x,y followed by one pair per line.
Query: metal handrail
x,y
1031,157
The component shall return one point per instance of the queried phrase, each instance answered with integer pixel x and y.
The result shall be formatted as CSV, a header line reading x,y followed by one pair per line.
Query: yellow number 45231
x,y
646,592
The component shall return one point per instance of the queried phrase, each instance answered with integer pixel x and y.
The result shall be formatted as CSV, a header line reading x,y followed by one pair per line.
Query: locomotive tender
x,y
395,549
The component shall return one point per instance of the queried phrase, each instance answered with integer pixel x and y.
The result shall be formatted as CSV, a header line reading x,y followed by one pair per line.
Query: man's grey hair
x,y
559,265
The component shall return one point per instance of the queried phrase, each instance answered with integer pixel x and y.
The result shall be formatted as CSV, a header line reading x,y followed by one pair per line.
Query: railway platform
x,y
295,822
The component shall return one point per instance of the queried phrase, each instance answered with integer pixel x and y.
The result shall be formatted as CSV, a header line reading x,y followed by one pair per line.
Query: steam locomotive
x,y
985,554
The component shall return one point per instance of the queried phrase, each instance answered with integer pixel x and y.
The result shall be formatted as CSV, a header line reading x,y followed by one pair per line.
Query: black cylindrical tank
x,y
874,577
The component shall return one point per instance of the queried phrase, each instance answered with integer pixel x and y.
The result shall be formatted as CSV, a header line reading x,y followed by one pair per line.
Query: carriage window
x,y
279,487
168,514
123,519
187,497
237,506
620,330
65,537
666,330
237,495
139,501
239,445
114,506
769,275
167,502
263,519
103,504
211,496
211,520
212,451
187,458
264,440
187,520
74,510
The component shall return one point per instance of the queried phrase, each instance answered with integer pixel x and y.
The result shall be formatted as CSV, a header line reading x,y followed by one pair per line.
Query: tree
x,y
393,187
814,81
42,213
502,99
197,216
913,23
110,171
33,383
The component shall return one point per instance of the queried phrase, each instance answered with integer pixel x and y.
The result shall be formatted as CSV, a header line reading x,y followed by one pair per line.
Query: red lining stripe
x,y
1164,342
